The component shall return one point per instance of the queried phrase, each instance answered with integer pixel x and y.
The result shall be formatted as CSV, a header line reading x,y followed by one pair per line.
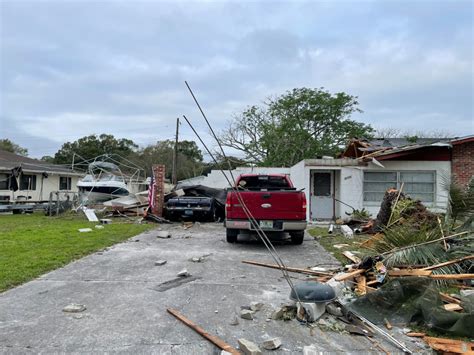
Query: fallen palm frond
x,y
460,203
397,240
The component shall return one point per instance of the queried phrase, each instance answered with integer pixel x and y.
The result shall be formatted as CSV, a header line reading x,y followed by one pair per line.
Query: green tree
x,y
9,146
189,158
300,124
89,147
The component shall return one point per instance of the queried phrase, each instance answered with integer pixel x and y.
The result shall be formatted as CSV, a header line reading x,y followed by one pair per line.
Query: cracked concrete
x,y
126,314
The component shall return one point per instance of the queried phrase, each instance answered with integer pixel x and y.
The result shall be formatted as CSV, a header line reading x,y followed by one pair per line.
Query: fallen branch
x,y
454,261
291,269
212,338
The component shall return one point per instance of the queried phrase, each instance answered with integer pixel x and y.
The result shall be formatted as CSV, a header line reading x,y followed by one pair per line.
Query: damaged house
x,y
359,178
27,179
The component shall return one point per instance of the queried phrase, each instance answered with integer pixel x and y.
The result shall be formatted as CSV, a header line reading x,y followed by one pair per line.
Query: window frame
x,y
5,178
33,182
398,184
68,183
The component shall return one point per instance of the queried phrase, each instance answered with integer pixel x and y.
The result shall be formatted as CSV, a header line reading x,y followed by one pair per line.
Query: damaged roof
x,y
397,147
9,161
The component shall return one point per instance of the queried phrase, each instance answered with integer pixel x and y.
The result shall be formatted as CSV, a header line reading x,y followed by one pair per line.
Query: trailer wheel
x,y
231,235
297,237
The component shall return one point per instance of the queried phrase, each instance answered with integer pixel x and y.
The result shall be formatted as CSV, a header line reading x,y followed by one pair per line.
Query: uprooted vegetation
x,y
409,251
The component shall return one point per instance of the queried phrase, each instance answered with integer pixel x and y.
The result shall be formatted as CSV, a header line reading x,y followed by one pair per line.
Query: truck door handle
x,y
266,196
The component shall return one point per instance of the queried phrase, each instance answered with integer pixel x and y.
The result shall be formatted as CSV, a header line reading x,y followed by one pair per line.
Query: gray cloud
x,y
74,68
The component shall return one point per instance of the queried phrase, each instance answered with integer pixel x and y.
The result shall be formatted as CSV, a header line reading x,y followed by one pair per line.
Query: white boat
x,y
105,181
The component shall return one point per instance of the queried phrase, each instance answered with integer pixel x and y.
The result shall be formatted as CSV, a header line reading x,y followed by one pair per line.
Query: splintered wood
x,y
450,345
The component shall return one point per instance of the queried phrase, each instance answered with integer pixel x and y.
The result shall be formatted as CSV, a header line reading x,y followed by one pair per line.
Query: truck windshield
x,y
261,182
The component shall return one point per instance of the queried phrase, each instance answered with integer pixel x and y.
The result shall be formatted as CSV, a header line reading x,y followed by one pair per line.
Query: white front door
x,y
322,195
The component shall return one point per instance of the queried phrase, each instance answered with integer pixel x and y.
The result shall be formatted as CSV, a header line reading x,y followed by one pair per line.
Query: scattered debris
x,y
310,312
256,306
272,344
350,255
340,246
99,226
347,231
246,314
106,221
90,214
291,269
160,262
449,345
334,310
167,285
74,308
85,230
234,320
249,348
212,338
183,273
163,234
331,228
286,312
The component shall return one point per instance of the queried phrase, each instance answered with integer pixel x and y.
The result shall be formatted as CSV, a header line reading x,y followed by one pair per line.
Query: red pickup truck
x,y
272,200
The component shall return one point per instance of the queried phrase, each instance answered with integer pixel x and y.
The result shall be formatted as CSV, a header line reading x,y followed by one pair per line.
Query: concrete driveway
x,y
126,297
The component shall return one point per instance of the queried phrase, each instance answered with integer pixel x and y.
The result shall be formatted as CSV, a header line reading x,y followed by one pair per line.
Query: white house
x,y
23,178
360,177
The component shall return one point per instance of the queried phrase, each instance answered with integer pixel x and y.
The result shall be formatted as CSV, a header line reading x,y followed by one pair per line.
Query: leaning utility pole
x,y
174,176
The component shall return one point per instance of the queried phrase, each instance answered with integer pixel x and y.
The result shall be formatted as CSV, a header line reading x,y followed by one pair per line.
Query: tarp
x,y
415,300
200,190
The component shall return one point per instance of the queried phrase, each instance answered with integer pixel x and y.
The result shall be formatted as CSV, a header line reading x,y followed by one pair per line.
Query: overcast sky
x,y
74,68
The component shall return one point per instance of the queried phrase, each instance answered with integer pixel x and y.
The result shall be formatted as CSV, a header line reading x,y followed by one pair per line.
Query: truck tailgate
x,y
284,205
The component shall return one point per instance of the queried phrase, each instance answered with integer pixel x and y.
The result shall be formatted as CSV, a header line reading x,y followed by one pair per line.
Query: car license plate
x,y
188,212
266,224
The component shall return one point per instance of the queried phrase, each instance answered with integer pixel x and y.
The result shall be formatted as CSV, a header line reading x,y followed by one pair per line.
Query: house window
x,y
4,181
64,183
28,182
417,185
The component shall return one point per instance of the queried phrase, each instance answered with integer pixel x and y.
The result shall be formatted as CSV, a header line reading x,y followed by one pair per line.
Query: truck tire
x,y
231,235
297,237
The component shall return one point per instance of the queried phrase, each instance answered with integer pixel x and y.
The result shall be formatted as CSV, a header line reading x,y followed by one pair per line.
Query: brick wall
x,y
463,163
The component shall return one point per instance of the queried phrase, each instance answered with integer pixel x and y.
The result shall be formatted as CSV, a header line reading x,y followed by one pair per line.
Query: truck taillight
x,y
227,202
304,204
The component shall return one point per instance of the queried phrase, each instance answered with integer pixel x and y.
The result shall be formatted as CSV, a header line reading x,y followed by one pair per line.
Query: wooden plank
x,y
450,345
449,299
349,275
387,324
454,261
416,335
453,277
361,285
409,272
453,307
349,255
291,269
212,338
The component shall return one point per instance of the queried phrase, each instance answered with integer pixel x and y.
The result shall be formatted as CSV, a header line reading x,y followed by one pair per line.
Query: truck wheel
x,y
297,237
231,235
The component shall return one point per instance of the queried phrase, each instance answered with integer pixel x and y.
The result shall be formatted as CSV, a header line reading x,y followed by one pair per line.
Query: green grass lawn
x,y
31,245
328,241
